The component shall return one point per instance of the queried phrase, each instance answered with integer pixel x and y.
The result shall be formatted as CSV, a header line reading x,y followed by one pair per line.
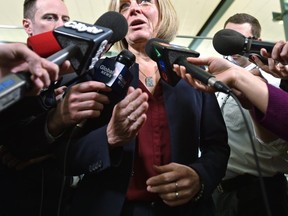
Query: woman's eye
x,y
141,2
124,6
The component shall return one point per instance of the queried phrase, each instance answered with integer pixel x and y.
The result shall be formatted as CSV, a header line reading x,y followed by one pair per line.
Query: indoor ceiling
x,y
198,19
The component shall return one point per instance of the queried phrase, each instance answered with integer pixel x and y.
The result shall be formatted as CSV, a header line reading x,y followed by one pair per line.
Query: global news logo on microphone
x,y
114,74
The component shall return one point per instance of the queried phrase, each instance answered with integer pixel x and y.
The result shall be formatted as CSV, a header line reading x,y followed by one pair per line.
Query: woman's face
x,y
142,17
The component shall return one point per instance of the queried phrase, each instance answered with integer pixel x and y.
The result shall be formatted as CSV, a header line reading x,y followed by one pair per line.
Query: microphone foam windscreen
x,y
228,42
116,22
126,57
44,44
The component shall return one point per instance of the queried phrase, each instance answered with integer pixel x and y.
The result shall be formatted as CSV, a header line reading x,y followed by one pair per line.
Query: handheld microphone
x,y
116,22
164,54
14,85
90,39
44,44
82,44
93,40
158,50
202,75
111,20
115,74
11,88
230,42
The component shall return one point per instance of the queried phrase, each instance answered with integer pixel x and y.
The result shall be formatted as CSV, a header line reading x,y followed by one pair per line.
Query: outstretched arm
x,y
16,57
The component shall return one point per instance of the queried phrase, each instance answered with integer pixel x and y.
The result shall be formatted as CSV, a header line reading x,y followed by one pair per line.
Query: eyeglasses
x,y
125,5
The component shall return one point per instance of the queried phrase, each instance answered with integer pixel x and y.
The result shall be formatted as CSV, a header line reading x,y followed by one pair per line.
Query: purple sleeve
x,y
276,117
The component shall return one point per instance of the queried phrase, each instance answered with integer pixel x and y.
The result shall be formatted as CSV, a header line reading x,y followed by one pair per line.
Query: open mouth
x,y
137,23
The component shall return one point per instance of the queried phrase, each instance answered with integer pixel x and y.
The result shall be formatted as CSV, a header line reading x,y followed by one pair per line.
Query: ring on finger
x,y
131,119
176,194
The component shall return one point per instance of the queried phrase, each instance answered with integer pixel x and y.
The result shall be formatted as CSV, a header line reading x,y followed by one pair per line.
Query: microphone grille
x,y
116,22
126,57
228,42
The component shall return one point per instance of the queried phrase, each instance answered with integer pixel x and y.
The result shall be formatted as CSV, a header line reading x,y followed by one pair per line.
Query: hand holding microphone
x,y
80,43
167,55
115,74
15,59
277,60
82,101
230,42
220,69
270,57
86,99
90,41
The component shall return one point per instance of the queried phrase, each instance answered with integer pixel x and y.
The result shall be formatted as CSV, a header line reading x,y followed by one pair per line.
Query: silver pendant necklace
x,y
149,82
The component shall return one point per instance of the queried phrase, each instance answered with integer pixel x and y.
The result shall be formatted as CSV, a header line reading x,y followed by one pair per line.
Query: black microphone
x,y
14,85
82,43
90,39
109,20
159,51
88,43
115,72
230,42
202,75
93,40
45,44
164,54
116,22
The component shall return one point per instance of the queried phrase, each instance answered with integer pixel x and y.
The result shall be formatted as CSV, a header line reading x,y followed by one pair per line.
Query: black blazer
x,y
195,121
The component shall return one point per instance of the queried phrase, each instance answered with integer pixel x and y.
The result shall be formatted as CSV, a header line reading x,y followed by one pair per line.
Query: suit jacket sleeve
x,y
215,151
197,123
89,152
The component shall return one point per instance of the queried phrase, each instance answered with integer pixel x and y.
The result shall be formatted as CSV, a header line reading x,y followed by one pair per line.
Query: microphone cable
x,y
72,134
262,185
42,192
